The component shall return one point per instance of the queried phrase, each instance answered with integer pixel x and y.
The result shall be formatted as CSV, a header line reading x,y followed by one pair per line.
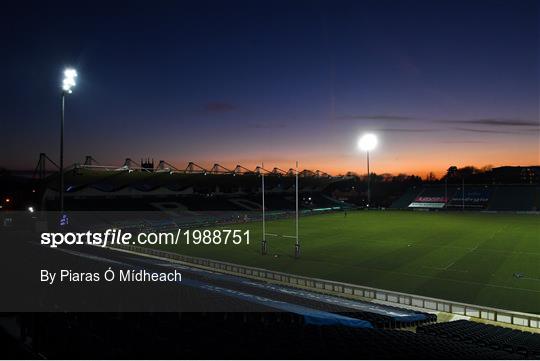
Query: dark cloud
x,y
405,130
375,117
472,130
496,122
463,141
220,107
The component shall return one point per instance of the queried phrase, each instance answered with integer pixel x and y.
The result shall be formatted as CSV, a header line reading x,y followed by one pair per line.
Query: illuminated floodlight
x,y
70,73
69,80
31,209
367,142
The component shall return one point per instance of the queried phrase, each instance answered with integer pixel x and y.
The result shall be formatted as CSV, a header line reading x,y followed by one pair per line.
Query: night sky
x,y
441,82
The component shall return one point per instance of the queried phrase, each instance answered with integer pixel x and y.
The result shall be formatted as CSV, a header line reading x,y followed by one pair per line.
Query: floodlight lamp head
x,y
367,142
70,73
69,80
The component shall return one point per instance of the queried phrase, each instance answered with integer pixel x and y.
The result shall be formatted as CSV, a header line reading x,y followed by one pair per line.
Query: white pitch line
x,y
468,249
450,265
279,235
445,269
409,274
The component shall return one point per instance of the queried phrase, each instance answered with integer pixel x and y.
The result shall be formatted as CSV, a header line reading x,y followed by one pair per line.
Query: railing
x,y
349,290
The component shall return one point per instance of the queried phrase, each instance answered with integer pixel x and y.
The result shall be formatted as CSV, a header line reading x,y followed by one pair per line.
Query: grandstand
x,y
405,199
497,338
133,187
431,198
275,335
524,198
515,198
471,198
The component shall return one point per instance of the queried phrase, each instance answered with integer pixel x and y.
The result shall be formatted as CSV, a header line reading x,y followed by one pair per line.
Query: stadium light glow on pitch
x,y
69,80
367,142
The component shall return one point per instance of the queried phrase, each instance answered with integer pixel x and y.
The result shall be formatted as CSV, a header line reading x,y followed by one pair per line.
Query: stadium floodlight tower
x,y
68,83
367,143
264,249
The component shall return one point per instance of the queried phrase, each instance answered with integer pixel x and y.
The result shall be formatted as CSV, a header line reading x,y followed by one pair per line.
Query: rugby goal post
x,y
264,243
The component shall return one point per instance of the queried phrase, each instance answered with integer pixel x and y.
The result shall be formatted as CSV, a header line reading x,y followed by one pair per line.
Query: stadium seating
x,y
474,197
515,198
231,335
381,321
109,181
524,198
406,199
495,337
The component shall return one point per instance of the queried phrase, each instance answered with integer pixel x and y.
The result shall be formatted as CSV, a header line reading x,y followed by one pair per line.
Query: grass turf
x,y
465,257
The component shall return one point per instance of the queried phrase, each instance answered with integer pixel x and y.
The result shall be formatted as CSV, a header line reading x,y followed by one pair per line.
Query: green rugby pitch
x,y
464,257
